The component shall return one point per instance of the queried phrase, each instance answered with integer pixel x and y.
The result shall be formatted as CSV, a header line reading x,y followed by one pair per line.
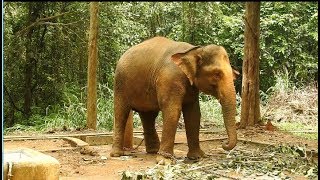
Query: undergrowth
x,y
243,162
287,106
292,108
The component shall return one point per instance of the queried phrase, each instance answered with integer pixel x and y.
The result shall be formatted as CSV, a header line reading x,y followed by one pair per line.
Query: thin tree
x,y
34,11
92,67
250,105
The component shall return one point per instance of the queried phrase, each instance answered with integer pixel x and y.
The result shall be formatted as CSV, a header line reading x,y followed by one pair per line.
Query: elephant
x,y
164,75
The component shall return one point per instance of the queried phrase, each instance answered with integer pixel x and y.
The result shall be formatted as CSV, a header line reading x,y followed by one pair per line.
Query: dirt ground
x,y
75,165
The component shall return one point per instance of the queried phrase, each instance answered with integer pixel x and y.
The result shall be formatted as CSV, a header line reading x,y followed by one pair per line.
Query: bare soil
x,y
75,165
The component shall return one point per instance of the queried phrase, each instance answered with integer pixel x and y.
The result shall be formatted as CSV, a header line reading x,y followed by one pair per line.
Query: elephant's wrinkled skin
x,y
163,75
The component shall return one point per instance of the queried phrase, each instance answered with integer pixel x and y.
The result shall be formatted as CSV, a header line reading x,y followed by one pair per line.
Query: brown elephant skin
x,y
160,74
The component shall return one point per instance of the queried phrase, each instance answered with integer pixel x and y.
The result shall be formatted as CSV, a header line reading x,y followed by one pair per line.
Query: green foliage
x,y
73,112
289,45
211,112
289,41
105,107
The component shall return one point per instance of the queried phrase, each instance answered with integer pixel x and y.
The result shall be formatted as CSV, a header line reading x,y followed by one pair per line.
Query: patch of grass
x,y
19,128
211,114
105,107
296,126
72,113
211,111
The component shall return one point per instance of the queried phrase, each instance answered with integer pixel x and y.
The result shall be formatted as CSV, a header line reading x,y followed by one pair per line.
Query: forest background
x,y
46,53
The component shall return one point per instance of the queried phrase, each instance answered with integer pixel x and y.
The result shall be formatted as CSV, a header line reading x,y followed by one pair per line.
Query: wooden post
x,y
250,105
92,67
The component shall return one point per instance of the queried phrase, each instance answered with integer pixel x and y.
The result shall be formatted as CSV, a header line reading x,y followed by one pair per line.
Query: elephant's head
x,y
208,68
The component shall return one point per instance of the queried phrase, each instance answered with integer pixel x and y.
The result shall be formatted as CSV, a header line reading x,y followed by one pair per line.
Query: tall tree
x,y
250,105
92,67
34,11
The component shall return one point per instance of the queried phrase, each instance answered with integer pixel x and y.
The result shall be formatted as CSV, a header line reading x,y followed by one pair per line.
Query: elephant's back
x,y
145,59
151,51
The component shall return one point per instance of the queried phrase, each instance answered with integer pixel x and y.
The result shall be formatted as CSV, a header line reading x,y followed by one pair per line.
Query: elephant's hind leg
x,y
121,113
128,133
150,134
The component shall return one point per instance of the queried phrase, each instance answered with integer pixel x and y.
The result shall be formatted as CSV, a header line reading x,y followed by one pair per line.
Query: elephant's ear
x,y
188,63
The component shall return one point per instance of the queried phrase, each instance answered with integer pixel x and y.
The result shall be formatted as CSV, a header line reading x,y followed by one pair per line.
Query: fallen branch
x,y
54,136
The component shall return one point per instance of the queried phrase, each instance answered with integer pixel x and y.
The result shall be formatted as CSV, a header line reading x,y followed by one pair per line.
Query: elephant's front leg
x,y
171,116
192,115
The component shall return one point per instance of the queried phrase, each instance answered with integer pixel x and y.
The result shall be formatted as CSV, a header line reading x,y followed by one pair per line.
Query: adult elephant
x,y
160,74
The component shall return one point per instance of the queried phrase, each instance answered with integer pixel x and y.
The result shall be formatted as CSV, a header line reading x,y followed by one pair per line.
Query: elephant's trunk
x,y
228,103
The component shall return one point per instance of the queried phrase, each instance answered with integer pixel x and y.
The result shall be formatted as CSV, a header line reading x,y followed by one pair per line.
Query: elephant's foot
x,y
116,152
152,142
152,148
196,154
164,158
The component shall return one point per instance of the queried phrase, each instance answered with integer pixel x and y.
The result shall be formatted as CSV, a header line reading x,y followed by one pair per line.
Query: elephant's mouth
x,y
210,90
214,91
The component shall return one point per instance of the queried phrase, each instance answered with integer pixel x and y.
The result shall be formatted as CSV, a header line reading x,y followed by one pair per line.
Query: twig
x,y
138,144
60,24
38,22
305,131
11,100
221,175
199,167
249,162
214,139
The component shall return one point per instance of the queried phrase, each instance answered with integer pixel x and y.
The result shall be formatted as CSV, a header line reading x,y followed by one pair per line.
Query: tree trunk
x,y
33,14
28,74
183,21
250,105
191,23
9,120
152,20
92,67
